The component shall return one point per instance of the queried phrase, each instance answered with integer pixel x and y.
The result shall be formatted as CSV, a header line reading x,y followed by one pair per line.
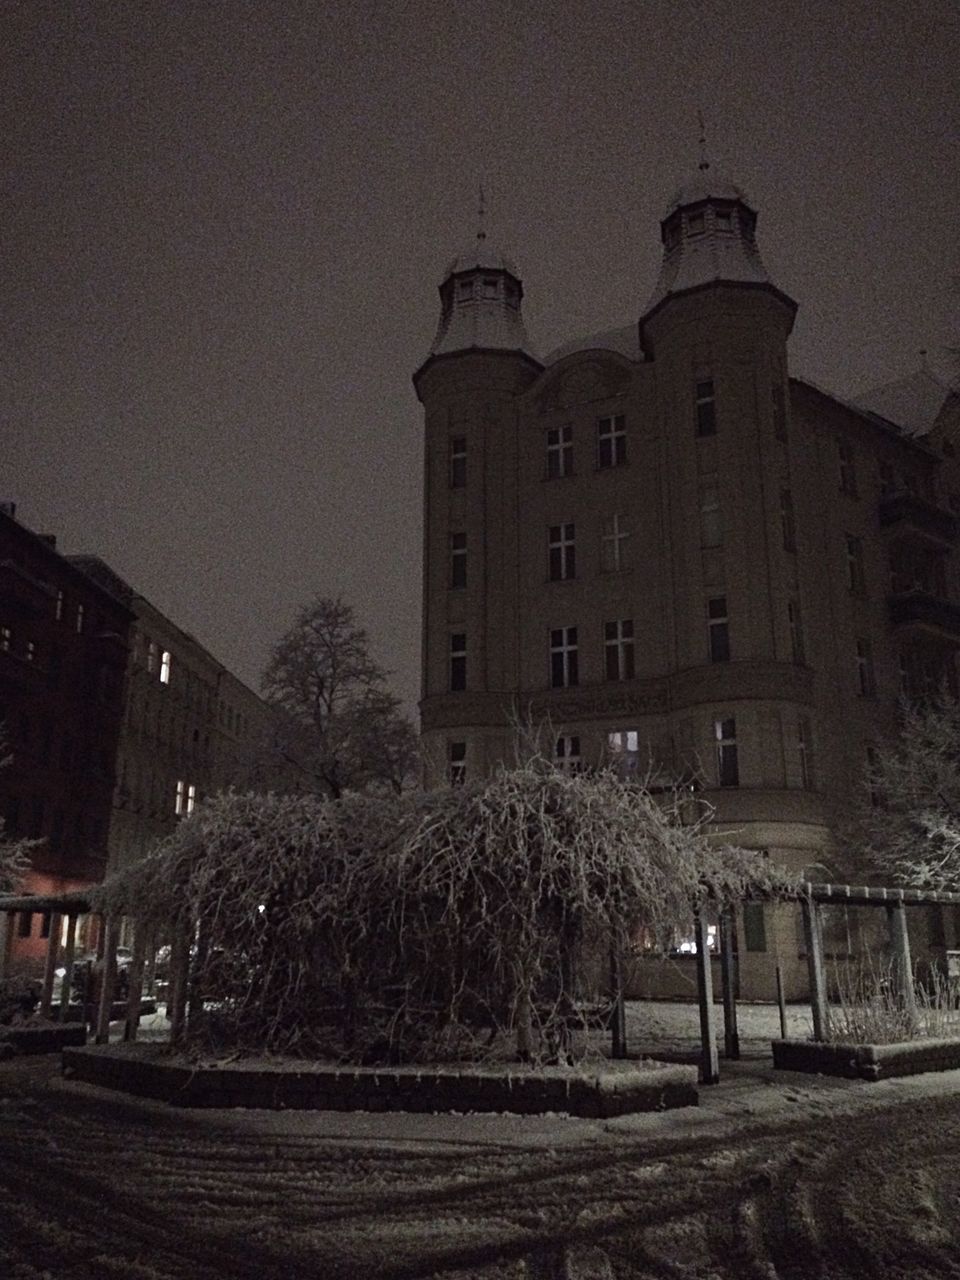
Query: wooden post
x,y
728,981
135,988
813,934
618,1013
50,965
781,1002
179,978
69,956
900,946
108,979
709,1058
6,933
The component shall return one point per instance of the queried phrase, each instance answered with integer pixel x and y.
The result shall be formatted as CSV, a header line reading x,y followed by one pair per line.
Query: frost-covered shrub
x,y
450,923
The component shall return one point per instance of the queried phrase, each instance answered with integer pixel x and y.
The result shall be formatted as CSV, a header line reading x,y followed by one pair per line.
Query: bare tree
x,y
338,726
908,825
14,854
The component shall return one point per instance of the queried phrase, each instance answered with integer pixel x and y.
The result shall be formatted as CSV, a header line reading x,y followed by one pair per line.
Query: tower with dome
x,y
683,561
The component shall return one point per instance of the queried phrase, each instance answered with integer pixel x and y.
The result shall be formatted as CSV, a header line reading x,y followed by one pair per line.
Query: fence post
x,y
618,1017
108,976
781,1002
50,964
813,935
179,977
69,957
709,1057
6,933
900,946
135,988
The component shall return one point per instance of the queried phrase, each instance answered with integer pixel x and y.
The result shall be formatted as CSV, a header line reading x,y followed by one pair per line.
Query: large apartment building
x,y
680,557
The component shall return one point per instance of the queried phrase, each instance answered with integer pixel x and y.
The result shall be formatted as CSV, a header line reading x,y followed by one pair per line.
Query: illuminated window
x,y
562,552
559,452
58,607
848,473
787,524
866,682
618,649
613,544
181,796
611,441
191,797
456,763
706,408
458,462
711,523
728,764
165,667
458,662
855,579
567,754
718,629
458,560
31,650
564,670
623,747
79,618
6,638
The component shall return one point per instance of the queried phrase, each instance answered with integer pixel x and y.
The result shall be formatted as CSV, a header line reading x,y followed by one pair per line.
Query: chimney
x,y
8,509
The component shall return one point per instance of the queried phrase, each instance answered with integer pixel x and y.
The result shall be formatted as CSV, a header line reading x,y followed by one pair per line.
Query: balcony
x,y
931,614
906,515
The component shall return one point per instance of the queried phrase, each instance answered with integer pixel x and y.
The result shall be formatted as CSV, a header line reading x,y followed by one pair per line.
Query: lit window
x,y
718,629
567,753
562,552
779,411
611,441
458,662
855,579
796,632
559,452
6,639
728,766
458,560
564,671
848,473
618,649
165,667
787,523
456,763
191,797
58,607
31,650
706,408
866,682
458,462
613,544
181,796
623,747
79,618
711,523
695,224
805,752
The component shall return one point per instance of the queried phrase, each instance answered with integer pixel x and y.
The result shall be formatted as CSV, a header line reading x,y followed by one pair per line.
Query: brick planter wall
x,y
370,1089
867,1061
26,1040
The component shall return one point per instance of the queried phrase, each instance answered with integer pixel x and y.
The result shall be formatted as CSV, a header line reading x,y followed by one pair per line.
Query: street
x,y
786,1177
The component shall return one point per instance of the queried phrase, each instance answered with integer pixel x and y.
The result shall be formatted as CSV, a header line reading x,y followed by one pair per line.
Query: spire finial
x,y
704,159
481,211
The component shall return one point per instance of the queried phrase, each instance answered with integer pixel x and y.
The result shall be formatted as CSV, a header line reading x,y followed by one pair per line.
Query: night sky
x,y
223,226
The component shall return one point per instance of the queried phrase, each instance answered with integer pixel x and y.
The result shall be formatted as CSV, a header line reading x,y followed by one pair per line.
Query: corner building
x,y
679,557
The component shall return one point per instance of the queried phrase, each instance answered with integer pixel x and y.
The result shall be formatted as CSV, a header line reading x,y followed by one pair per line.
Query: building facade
x,y
684,561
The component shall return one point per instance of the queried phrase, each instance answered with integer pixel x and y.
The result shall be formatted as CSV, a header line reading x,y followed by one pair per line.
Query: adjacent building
x,y
684,560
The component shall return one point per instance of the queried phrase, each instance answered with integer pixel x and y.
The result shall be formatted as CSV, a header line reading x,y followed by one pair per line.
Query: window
x,y
559,452
456,763
79,619
562,552
855,579
796,632
754,927
611,441
45,924
623,747
58,607
563,657
848,473
6,639
180,796
568,753
25,924
706,408
465,289
458,462
695,224
805,752
490,287
718,630
613,544
165,667
724,219
728,767
458,662
865,677
618,648
787,526
711,523
191,797
458,560
779,411
31,650
151,657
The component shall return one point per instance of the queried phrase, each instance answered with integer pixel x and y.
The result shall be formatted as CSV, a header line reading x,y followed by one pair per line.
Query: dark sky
x,y
223,226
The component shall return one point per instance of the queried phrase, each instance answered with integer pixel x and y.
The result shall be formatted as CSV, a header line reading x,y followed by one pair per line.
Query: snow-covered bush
x,y
386,928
